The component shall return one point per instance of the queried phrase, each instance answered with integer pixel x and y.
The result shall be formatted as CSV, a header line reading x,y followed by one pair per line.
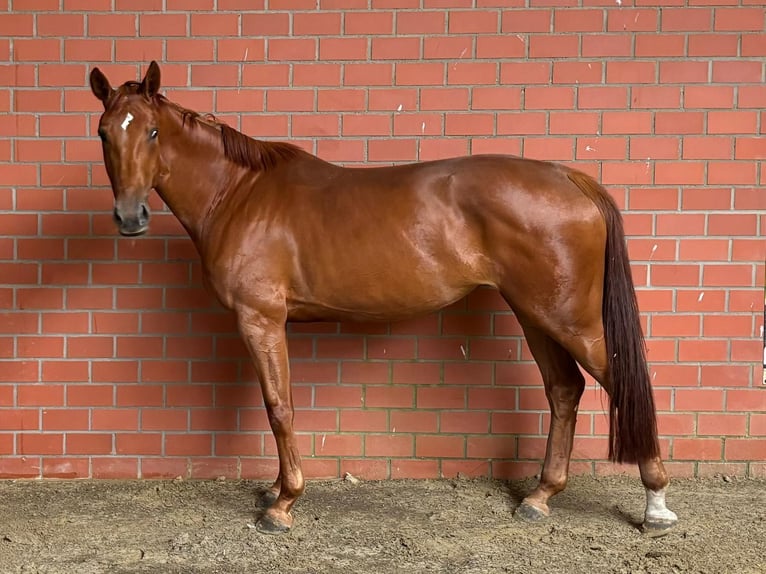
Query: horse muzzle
x,y
132,222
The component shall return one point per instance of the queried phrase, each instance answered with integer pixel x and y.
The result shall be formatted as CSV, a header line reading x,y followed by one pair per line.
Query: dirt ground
x,y
450,526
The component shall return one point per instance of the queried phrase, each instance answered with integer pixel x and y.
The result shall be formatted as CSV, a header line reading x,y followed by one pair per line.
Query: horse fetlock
x,y
267,498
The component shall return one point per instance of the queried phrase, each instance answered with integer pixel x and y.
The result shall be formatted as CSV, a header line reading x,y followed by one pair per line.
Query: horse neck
x,y
195,171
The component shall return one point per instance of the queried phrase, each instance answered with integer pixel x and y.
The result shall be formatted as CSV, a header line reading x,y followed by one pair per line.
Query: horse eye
x,y
153,134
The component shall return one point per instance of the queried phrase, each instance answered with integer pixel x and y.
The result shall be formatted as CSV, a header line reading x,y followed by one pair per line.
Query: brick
x,y
65,419
291,49
433,149
472,73
188,445
601,148
548,98
392,150
745,449
683,72
757,425
372,23
602,97
704,250
368,420
750,148
339,445
37,50
416,124
512,46
752,45
343,48
88,444
721,424
396,99
469,124
675,424
239,49
702,45
525,73
697,449
687,173
633,20
675,275
745,400
554,46
440,446
474,22
396,49
660,45
15,419
19,467
60,24
736,71
436,48
526,21
368,74
397,445
65,467
732,326
42,443
739,19
731,122
606,45
707,147
17,25
702,350
686,19
565,72
420,22
631,72
366,125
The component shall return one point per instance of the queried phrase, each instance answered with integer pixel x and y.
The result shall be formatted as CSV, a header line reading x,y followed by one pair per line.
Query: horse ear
x,y
99,85
150,85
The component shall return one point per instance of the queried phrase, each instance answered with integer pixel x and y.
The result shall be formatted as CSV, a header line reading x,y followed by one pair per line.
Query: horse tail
x,y
632,415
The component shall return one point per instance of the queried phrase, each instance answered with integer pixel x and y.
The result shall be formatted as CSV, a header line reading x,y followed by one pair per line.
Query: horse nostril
x,y
144,214
117,216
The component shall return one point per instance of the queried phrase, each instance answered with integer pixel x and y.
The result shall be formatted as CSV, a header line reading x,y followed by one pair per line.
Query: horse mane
x,y
243,150
255,154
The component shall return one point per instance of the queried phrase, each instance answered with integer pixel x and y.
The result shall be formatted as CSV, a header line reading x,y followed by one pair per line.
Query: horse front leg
x,y
266,341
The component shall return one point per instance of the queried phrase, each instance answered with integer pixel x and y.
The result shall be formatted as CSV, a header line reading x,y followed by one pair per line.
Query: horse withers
x,y
285,236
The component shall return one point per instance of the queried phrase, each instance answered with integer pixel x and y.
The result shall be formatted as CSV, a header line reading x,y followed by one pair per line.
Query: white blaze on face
x,y
126,122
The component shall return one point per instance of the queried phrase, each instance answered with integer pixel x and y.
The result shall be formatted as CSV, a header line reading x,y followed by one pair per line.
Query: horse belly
x,y
389,283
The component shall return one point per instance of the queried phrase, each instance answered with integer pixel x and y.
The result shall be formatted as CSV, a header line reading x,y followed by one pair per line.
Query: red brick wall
x,y
116,363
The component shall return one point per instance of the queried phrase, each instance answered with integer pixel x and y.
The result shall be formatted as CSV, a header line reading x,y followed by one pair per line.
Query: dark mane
x,y
239,148
255,154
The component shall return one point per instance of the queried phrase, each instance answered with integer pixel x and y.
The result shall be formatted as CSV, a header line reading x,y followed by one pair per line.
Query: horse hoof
x,y
526,511
657,528
267,498
268,524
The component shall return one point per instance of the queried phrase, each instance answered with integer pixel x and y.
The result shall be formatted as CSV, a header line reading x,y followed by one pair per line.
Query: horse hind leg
x,y
564,385
591,353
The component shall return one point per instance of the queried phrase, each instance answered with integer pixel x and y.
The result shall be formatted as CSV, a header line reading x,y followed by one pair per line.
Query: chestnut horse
x,y
284,236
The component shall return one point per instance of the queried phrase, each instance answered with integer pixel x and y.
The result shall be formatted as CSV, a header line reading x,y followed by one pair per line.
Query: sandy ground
x,y
450,526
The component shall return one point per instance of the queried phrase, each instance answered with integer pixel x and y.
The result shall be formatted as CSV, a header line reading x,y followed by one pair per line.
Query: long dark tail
x,y
632,416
